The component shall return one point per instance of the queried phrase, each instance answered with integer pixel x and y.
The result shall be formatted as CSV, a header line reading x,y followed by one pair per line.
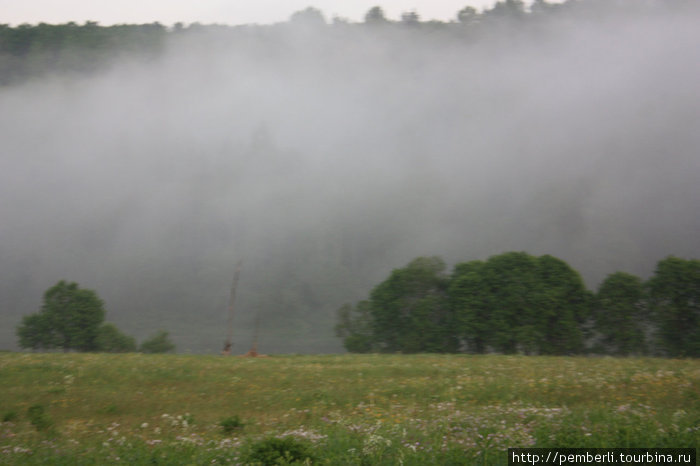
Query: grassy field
x,y
339,409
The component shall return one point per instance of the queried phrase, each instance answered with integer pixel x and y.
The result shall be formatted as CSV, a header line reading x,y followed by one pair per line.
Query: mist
x,y
324,157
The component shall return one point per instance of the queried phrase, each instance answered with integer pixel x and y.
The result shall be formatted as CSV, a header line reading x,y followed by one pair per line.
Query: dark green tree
x,y
111,340
159,342
410,312
507,10
375,15
35,332
309,17
674,292
621,314
467,15
515,302
470,301
562,307
69,319
410,18
510,280
355,327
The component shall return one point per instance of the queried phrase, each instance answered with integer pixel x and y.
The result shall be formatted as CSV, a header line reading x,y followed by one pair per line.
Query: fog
x,y
325,157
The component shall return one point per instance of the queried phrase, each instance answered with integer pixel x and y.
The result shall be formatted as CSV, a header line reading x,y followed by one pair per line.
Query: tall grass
x,y
348,409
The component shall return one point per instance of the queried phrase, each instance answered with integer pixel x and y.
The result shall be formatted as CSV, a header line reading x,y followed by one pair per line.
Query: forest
x,y
145,161
32,51
518,303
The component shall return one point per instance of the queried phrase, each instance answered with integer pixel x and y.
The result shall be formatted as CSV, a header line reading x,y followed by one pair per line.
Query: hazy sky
x,y
215,11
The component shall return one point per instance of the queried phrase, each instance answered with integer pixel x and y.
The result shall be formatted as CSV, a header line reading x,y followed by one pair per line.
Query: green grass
x,y
347,409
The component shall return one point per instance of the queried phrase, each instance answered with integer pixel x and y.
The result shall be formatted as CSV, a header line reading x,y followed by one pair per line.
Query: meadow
x,y
89,409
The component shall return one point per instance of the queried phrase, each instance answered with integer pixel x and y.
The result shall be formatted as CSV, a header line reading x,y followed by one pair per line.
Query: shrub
x,y
111,340
276,451
158,343
231,424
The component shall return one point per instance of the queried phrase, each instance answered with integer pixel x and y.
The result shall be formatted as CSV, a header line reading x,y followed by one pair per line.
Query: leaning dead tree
x,y
231,300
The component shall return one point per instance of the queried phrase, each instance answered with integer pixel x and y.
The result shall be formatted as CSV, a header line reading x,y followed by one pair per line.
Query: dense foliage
x,y
409,311
111,340
674,296
518,303
621,314
28,51
274,451
69,319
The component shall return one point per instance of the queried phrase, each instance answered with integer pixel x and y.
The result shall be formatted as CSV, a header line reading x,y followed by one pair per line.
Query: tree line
x,y
519,303
30,51
72,318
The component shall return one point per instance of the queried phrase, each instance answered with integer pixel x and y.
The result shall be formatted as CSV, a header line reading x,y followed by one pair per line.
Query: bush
x,y
231,424
277,451
111,340
158,343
